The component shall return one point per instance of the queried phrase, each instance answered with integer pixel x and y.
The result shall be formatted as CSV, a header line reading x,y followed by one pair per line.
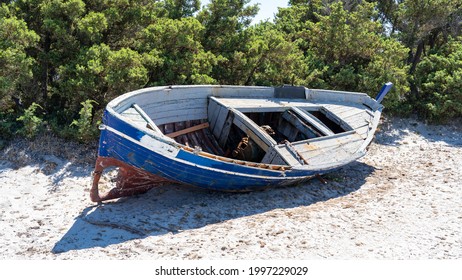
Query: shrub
x,y
31,123
86,130
439,81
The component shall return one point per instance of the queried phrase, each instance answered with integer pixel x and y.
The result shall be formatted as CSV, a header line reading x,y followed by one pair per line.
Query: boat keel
x,y
129,180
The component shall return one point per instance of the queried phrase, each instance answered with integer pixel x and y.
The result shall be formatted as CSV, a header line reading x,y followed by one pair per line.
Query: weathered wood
x,y
287,129
243,91
250,128
248,105
269,156
212,112
364,130
317,122
211,141
304,128
309,118
166,110
295,153
226,129
334,117
349,142
348,113
179,116
284,155
148,120
241,162
133,116
221,118
336,96
216,115
188,130
249,108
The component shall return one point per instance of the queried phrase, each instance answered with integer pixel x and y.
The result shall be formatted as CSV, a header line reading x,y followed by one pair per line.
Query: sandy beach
x,y
402,201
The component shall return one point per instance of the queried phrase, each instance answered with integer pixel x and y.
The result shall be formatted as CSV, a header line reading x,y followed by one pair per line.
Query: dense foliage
x,y
61,61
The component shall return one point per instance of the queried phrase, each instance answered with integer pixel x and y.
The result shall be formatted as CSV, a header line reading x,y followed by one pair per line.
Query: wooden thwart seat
x,y
188,130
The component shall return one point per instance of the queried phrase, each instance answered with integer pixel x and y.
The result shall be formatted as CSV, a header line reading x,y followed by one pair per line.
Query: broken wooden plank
x,y
312,120
255,132
306,129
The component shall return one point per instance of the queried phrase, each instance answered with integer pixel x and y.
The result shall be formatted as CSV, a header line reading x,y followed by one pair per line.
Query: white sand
x,y
402,201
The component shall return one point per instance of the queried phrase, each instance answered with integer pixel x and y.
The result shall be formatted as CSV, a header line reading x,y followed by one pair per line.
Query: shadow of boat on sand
x,y
174,209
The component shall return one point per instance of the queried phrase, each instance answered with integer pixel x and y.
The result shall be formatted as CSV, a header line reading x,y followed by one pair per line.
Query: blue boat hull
x,y
122,145
136,136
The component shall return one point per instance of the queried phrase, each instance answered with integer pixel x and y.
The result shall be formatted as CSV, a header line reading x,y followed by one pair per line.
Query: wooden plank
x,y
359,114
221,118
313,121
253,130
188,130
284,155
349,113
269,156
359,120
295,153
182,138
287,129
262,109
278,160
166,94
247,105
133,116
338,109
243,91
210,139
336,96
326,148
304,128
226,129
182,102
364,130
158,95
212,112
336,119
179,116
148,120
336,153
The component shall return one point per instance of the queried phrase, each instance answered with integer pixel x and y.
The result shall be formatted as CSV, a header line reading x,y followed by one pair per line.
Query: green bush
x,y
86,129
31,123
439,80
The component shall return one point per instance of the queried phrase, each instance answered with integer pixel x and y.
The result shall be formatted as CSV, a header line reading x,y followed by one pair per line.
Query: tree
x,y
71,33
182,8
268,59
55,22
438,78
16,64
298,18
174,54
224,22
345,48
421,25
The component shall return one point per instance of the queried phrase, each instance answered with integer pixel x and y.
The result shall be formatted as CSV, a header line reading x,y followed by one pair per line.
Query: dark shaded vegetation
x,y
61,61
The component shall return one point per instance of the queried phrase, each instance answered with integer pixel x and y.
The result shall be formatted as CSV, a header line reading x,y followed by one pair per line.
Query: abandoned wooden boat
x,y
231,138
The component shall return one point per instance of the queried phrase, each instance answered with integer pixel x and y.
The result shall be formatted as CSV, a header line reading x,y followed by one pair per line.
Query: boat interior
x,y
272,131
